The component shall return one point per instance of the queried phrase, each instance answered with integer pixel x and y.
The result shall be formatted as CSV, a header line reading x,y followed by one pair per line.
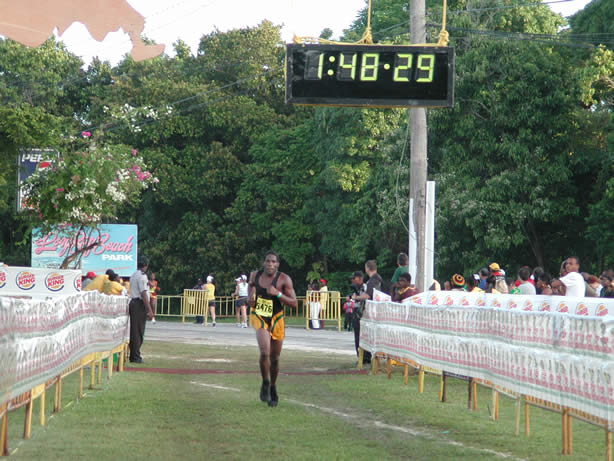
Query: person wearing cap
x,y
139,308
457,282
210,289
96,283
241,292
269,291
88,278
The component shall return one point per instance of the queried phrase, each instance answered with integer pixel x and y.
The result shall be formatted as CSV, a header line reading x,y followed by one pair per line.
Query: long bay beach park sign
x,y
115,248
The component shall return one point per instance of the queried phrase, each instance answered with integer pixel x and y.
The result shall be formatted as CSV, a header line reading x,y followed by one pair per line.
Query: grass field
x,y
211,410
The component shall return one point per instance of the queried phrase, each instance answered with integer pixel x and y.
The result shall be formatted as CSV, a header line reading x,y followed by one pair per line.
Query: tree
x,y
85,187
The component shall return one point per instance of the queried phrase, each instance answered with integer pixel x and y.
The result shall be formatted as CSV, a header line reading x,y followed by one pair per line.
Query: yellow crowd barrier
x,y
93,361
191,303
521,401
330,307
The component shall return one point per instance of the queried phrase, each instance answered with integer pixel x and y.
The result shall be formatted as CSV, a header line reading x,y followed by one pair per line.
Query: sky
x,y
169,20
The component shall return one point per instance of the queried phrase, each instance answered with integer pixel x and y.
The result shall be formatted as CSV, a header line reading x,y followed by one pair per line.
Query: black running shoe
x,y
274,398
265,392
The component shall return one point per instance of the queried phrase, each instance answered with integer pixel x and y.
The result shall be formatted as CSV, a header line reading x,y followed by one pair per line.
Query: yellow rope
x,y
367,38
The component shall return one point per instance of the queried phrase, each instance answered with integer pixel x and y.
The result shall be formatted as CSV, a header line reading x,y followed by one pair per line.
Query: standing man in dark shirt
x,y
139,308
374,283
269,290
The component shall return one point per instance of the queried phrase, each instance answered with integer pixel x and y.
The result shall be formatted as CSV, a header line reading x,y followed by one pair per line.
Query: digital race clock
x,y
370,75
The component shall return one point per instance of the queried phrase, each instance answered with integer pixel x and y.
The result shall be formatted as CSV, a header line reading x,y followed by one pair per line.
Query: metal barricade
x,y
329,305
193,303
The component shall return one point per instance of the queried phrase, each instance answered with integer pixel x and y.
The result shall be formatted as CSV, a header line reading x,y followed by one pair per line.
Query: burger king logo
x,y
562,307
77,283
25,280
581,309
544,307
496,303
480,302
2,279
54,281
528,306
449,301
416,299
601,310
434,300
512,305
464,302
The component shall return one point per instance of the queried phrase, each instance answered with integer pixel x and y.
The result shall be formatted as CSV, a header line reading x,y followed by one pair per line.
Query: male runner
x,y
269,290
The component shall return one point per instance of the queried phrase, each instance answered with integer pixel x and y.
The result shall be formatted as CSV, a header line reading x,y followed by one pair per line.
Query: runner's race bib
x,y
264,307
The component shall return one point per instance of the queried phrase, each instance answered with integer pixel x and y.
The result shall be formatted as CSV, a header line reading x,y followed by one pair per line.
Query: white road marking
x,y
215,386
404,429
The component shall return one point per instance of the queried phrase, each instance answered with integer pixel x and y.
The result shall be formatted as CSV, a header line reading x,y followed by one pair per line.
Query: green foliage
x,y
595,22
523,161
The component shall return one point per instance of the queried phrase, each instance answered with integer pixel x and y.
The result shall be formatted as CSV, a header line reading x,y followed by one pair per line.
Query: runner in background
x,y
241,292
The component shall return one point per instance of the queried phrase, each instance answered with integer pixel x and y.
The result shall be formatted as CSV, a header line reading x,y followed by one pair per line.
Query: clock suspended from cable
x,y
326,73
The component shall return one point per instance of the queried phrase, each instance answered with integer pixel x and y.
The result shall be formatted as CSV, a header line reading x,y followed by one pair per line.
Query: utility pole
x,y
417,149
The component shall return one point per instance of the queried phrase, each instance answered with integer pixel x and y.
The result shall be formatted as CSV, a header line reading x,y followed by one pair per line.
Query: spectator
x,y
558,289
483,273
513,288
491,281
607,281
473,284
572,280
435,286
405,290
457,283
593,281
314,305
402,268
96,283
543,284
153,292
199,286
323,296
525,286
374,283
589,291
88,278
537,272
113,286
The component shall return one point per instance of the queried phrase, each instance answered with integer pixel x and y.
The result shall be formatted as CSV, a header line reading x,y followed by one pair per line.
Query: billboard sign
x,y
28,161
115,248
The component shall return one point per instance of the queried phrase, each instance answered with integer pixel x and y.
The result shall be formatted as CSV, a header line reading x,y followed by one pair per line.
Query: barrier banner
x,y
38,283
561,357
39,339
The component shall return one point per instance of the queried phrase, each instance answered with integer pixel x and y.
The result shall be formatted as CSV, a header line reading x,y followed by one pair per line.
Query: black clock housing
x,y
370,75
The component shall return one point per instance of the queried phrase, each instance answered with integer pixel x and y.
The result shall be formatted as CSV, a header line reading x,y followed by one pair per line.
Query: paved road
x,y
227,334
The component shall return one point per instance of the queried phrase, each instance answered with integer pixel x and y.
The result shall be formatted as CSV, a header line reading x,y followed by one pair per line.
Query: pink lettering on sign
x,y
2,279
62,246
